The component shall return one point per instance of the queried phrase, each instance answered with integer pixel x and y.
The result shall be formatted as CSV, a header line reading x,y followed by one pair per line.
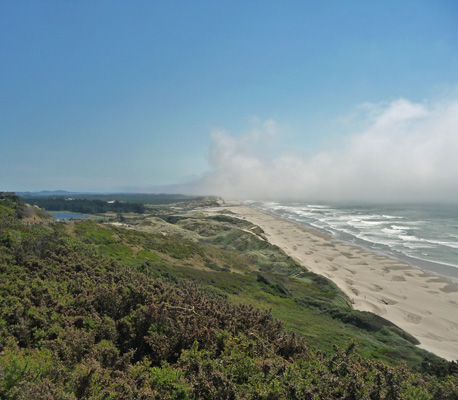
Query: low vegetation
x,y
188,307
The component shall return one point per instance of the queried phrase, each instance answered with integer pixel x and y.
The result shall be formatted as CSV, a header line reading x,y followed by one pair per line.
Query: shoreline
x,y
434,268
418,301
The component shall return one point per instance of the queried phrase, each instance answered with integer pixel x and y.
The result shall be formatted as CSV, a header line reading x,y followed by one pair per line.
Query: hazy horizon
x,y
332,101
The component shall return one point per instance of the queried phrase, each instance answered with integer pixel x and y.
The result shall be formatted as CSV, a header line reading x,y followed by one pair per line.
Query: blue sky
x,y
127,96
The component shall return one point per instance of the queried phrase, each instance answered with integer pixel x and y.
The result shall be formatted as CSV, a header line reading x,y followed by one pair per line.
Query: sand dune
x,y
422,304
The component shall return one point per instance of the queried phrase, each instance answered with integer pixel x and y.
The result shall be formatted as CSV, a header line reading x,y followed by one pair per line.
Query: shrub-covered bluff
x,y
93,311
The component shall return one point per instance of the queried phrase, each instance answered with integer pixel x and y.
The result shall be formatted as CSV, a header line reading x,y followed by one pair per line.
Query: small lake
x,y
59,215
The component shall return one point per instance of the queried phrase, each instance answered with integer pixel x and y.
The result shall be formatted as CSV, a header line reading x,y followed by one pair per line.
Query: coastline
x,y
423,304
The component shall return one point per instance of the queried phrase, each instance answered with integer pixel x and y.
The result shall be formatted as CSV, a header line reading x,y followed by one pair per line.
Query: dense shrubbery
x,y
77,325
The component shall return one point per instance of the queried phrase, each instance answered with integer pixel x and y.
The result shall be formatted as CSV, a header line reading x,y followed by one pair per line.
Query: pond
x,y
60,215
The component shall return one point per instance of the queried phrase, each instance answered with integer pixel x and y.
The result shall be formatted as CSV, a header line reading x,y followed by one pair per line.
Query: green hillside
x,y
187,307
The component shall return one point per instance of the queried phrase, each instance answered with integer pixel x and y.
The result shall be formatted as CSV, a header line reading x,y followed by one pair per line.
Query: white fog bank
x,y
407,152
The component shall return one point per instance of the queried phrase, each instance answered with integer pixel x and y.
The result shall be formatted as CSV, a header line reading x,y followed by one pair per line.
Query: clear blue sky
x,y
125,95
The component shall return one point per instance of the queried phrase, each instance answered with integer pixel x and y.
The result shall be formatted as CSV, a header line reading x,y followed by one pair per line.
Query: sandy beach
x,y
422,304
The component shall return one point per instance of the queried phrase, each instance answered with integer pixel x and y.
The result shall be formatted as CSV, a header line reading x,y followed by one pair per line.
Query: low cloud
x,y
407,152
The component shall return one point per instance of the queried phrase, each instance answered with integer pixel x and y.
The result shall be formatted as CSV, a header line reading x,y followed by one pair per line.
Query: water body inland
x,y
62,215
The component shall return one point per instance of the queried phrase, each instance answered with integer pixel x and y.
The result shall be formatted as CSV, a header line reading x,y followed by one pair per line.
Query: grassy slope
x,y
225,254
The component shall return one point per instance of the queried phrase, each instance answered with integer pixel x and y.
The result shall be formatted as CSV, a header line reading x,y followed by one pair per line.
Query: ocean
x,y
426,235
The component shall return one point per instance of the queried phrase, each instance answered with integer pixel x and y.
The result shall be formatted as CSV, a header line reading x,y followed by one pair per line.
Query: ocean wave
x,y
317,206
419,231
392,232
429,241
372,223
401,227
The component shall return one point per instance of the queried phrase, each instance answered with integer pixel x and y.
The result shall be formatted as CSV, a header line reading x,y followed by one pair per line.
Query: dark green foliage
x,y
143,198
274,288
75,324
138,198
85,206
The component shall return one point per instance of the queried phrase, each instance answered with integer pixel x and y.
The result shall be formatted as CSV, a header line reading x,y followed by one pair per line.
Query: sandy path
x,y
422,304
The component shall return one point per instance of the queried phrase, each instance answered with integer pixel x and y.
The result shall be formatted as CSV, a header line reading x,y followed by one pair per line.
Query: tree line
x,y
84,206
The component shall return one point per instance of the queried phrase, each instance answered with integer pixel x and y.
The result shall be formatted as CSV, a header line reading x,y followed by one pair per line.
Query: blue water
x,y
424,235
59,215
